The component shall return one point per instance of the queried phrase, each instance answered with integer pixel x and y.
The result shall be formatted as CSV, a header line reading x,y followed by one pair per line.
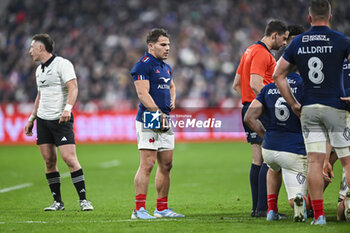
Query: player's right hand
x,y
65,117
28,128
328,171
164,126
172,105
296,109
346,99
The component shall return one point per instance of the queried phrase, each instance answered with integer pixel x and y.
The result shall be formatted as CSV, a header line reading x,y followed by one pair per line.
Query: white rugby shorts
x,y
320,123
294,169
150,140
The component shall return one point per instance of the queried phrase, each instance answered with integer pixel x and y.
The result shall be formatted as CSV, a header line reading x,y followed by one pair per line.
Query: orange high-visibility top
x,y
257,59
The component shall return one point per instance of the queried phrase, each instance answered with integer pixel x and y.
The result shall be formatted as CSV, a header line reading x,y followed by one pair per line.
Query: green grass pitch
x,y
209,184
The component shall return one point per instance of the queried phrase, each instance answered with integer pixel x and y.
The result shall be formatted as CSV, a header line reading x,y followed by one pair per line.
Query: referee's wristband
x,y
68,107
32,118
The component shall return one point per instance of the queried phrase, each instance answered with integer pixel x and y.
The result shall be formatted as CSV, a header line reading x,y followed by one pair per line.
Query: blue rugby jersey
x,y
283,131
319,55
159,75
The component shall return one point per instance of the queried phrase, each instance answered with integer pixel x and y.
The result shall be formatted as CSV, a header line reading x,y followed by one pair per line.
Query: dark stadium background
x,y
105,38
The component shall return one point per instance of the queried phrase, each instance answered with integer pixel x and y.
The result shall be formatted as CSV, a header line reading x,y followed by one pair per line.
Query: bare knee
x,y
147,165
49,154
50,163
69,156
166,167
71,160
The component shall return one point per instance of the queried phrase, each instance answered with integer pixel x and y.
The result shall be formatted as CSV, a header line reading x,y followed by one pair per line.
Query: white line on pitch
x,y
113,163
35,222
20,186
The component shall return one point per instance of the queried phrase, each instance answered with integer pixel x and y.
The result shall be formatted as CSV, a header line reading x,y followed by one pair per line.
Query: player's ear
x,y
309,18
41,47
330,17
274,35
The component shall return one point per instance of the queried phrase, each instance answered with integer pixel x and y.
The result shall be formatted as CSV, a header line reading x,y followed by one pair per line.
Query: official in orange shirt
x,y
254,71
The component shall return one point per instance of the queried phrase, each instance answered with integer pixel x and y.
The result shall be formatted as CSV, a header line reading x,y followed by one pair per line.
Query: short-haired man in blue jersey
x,y
156,91
283,146
319,56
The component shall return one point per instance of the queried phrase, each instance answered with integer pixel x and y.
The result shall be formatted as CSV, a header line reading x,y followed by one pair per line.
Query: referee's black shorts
x,y
252,137
51,132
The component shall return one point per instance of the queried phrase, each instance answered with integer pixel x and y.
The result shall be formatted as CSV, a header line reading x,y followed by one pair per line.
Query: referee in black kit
x,y
57,93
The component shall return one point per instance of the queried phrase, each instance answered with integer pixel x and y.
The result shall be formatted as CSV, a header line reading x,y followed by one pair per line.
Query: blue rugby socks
x,y
254,184
262,193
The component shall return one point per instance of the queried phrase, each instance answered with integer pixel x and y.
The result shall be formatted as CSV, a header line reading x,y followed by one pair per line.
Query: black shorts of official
x,y
51,132
252,137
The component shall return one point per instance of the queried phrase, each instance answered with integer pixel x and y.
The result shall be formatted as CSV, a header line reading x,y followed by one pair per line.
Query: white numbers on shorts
x,y
315,70
281,110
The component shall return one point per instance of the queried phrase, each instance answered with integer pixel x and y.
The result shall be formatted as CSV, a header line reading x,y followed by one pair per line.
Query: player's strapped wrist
x,y
68,107
32,118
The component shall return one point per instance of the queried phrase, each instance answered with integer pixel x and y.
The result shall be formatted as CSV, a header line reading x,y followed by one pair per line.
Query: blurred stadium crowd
x,y
105,38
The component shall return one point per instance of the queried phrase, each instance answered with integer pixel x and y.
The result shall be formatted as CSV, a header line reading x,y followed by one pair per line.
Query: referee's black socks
x,y
79,183
54,181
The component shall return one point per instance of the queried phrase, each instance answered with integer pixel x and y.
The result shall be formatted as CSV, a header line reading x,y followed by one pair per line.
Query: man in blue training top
x,y
283,146
156,91
319,56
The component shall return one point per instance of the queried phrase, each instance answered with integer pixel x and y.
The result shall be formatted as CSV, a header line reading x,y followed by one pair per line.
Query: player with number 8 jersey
x,y
319,55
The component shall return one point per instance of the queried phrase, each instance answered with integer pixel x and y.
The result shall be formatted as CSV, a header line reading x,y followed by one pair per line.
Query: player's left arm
x,y
72,86
172,95
256,83
283,68
251,118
